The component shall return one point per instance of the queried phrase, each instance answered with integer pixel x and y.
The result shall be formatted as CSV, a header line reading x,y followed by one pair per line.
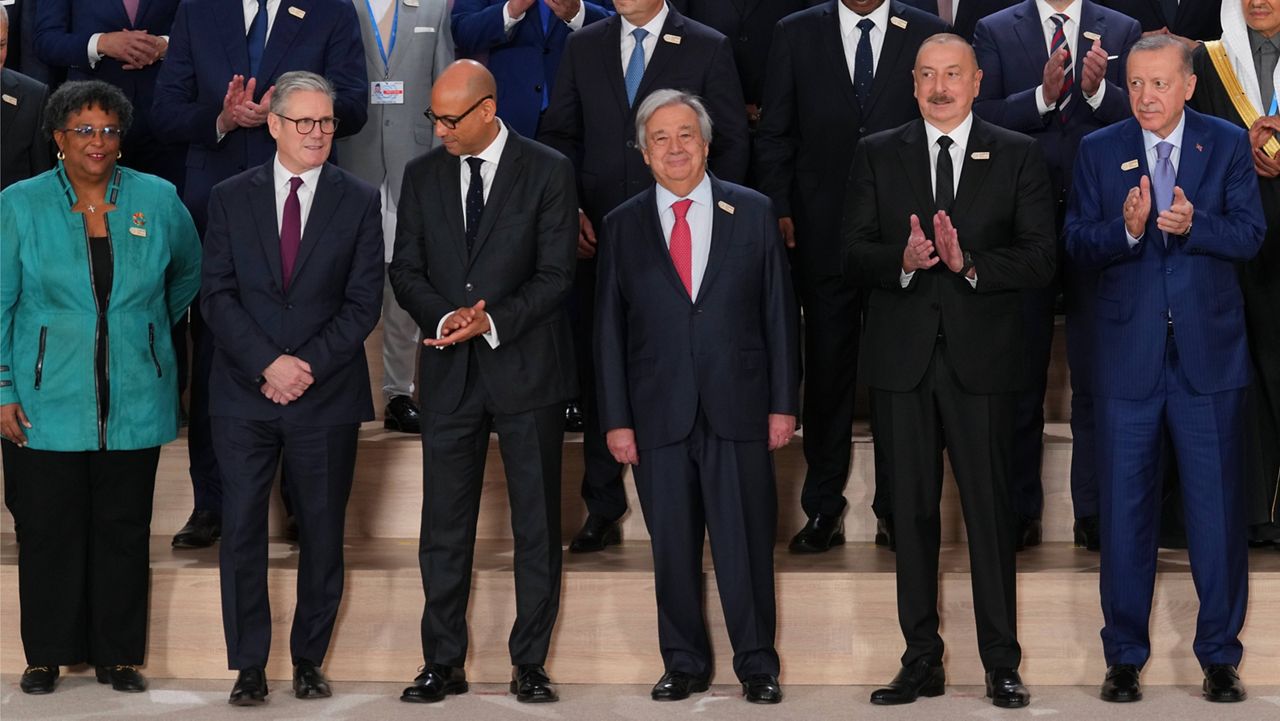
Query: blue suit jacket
x,y
1012,54
523,62
1193,279
734,351
207,46
333,301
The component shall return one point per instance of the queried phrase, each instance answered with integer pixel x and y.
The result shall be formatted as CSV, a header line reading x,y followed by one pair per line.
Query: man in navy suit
x,y
605,75
1189,20
697,371
1045,73
122,42
213,93
292,286
1163,206
524,40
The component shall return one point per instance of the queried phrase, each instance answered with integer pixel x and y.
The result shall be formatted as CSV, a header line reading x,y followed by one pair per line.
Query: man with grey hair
x,y
292,286
697,370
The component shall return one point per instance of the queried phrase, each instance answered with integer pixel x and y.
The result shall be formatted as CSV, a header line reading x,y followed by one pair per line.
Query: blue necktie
x,y
862,62
257,38
635,66
545,13
1163,179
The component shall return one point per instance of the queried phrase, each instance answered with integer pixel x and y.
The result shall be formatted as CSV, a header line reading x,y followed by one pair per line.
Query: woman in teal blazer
x,y
96,263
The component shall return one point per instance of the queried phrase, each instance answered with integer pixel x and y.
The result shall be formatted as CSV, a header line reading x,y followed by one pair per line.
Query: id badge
x,y
386,92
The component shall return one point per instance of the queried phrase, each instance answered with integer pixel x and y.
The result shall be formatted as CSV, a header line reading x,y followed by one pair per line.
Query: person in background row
x,y
97,261
1191,21
24,149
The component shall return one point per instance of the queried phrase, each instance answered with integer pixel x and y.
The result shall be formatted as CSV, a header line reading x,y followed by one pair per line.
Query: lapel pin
x,y
980,155
411,3
673,39
140,232
297,12
424,29
1130,165
10,99
1199,148
725,207
139,219
899,22
1092,35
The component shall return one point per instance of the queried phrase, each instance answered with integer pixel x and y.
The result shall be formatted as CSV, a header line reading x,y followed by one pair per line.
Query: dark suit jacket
x,y
521,265
1004,214
734,351
971,11
332,304
1193,279
24,151
812,120
522,62
749,26
1012,54
589,120
1196,19
207,46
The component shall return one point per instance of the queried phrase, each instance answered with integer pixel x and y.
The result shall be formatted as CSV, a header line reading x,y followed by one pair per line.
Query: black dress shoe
x,y
1029,533
37,680
1087,535
1005,689
1122,684
819,534
434,683
250,688
530,684
308,682
202,529
1222,684
919,679
402,415
122,678
762,688
596,533
676,686
574,421
884,533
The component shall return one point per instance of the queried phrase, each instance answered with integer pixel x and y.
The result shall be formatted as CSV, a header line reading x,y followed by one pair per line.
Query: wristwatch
x,y
968,264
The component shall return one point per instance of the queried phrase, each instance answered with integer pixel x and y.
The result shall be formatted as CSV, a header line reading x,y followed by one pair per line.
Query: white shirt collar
x,y
849,19
959,136
1149,139
282,174
654,26
1072,11
700,195
493,153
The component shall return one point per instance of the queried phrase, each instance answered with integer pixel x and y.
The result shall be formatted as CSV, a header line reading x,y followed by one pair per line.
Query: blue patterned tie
x,y
862,63
635,66
1163,179
257,38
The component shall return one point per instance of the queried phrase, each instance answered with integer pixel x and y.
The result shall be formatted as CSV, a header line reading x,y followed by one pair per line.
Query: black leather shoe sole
x,y
612,537
806,545
247,700
668,695
930,691
1008,702
549,697
124,682
392,423
452,688
1123,697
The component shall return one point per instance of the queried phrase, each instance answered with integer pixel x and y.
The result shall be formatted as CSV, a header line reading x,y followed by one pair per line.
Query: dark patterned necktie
x,y
944,189
475,200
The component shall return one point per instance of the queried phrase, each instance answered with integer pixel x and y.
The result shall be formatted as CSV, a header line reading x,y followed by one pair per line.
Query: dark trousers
x,y
1207,444
206,479
321,461
454,447
602,487
726,488
978,432
84,560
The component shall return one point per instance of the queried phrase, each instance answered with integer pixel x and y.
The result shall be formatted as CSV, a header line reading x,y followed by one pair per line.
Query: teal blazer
x,y
49,314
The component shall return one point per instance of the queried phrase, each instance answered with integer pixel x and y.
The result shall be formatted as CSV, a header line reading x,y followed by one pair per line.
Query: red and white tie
x,y
1059,40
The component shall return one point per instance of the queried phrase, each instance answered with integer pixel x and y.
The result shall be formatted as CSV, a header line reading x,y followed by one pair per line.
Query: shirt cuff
x,y
94,55
1096,101
580,18
509,22
1133,242
973,282
1041,105
490,336
904,278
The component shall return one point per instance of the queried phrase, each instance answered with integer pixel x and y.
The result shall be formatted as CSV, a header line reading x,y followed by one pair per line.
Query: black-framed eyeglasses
x,y
85,132
328,126
451,121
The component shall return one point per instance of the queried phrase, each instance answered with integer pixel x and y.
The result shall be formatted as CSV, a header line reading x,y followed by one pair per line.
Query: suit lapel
x,y
1091,21
369,35
450,184
229,20
653,230
1031,35
836,59
722,230
611,57
663,52
973,173
1131,138
914,154
262,205
324,204
284,29
408,19
895,38
1197,148
510,166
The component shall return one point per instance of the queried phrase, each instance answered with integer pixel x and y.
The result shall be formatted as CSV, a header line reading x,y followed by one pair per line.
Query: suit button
x,y
537,88
697,311
862,131
288,306
386,123
742,38
1168,271
468,287
288,351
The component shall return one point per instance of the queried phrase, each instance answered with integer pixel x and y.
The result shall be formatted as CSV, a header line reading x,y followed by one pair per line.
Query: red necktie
x,y
131,7
681,246
290,230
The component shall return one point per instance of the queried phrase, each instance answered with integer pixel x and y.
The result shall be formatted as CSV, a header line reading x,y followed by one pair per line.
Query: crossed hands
x,y
462,325
238,108
920,251
1263,130
135,48
1137,208
286,379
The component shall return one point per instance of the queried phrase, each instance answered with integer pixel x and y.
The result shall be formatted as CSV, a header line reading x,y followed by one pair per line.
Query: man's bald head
x,y
464,108
466,80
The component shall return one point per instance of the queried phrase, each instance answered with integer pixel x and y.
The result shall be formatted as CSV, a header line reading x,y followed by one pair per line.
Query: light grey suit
x,y
394,135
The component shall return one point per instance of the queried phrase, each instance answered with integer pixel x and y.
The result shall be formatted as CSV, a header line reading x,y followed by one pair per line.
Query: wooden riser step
x,y
837,617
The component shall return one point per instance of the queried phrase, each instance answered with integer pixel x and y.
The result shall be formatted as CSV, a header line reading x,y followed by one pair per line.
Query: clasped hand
x,y
462,325
238,108
920,251
286,379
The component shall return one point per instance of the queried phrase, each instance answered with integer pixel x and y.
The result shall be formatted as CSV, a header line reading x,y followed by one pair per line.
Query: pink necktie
x,y
290,231
681,246
131,7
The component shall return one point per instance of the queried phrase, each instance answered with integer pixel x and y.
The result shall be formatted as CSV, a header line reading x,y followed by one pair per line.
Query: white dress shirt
x,y
699,219
1149,141
959,141
306,191
490,155
1071,29
850,35
654,27
509,21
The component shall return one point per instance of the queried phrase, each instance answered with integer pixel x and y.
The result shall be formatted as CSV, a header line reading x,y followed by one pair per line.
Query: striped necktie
x,y
1068,77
